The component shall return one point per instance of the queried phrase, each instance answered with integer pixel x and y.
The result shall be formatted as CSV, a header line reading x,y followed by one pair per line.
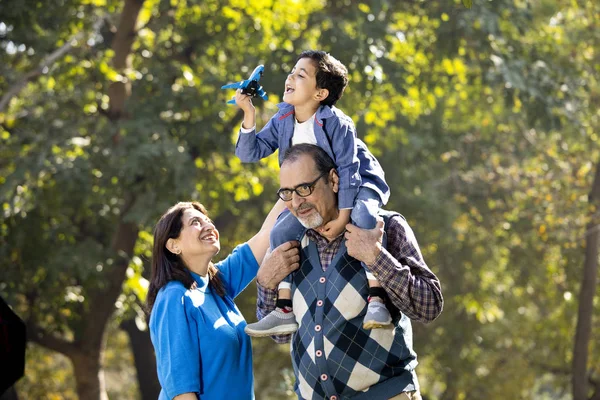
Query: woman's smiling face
x,y
198,235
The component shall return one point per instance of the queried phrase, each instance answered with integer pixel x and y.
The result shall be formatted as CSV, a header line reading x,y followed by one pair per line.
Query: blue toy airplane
x,y
250,86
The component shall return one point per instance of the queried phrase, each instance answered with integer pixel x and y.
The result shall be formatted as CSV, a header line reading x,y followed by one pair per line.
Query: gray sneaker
x,y
377,316
276,323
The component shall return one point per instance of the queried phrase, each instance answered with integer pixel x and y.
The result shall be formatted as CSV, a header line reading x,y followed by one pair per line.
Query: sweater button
x,y
318,328
319,303
318,353
322,279
334,397
323,377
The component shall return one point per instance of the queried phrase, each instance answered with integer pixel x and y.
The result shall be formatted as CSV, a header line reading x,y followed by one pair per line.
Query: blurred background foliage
x,y
485,120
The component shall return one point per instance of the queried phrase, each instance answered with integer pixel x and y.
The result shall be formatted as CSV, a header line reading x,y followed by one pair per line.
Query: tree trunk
x,y
586,296
87,360
145,362
119,91
89,376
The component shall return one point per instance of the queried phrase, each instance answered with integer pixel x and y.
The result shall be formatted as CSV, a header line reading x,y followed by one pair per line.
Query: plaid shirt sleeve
x,y
265,303
402,272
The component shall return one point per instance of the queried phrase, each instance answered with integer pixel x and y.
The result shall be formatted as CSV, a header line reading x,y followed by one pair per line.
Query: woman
x,y
196,329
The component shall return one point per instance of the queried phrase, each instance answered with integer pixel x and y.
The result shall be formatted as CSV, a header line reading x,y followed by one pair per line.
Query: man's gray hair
x,y
323,162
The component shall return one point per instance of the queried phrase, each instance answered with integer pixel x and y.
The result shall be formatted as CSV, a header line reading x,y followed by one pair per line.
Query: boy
x,y
308,115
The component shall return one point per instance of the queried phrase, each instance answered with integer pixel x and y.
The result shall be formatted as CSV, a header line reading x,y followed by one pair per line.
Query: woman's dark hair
x,y
331,74
166,266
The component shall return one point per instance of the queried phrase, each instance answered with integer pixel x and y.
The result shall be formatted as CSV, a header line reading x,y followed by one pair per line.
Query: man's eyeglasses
x,y
302,190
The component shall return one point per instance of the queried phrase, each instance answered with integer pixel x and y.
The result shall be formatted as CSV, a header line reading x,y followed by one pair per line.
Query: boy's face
x,y
301,85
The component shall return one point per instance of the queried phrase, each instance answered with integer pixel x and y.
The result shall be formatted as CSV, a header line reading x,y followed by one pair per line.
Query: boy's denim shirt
x,y
335,133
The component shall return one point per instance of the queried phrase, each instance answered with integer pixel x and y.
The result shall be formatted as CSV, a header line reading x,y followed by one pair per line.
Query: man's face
x,y
320,206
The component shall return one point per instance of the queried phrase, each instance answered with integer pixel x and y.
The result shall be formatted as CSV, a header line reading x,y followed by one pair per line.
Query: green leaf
x,y
467,3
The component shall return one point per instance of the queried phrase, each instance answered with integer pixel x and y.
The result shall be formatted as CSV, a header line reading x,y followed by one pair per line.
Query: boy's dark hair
x,y
331,74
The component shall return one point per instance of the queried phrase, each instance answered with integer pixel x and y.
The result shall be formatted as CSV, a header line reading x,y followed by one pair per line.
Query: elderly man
x,y
332,355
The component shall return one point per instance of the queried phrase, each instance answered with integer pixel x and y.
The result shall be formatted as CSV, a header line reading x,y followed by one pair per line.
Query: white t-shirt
x,y
304,132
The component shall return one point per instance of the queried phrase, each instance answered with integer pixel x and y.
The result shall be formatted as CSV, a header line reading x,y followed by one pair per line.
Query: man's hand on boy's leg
x,y
364,244
278,264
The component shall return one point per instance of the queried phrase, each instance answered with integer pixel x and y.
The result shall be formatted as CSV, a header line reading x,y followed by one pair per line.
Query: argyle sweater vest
x,y
332,355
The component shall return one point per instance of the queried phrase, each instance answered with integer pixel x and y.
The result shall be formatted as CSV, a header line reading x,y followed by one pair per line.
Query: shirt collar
x,y
323,112
319,239
201,281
